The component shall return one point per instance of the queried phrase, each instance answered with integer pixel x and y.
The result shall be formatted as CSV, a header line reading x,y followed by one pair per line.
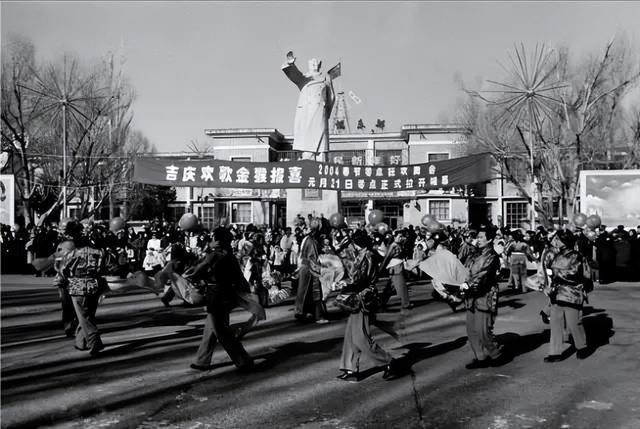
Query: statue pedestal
x,y
311,201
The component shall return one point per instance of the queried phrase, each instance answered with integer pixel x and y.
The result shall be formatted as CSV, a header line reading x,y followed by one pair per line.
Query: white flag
x,y
355,98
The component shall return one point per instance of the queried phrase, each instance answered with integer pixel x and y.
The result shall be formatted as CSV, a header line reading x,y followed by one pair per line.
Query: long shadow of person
x,y
597,324
598,327
515,345
417,352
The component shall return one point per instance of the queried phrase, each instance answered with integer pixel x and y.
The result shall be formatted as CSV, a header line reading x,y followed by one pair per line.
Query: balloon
x,y
336,220
435,226
580,219
594,221
116,224
188,221
375,217
382,228
427,219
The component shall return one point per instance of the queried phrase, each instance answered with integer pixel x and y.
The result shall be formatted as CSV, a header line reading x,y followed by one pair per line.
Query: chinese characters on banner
x,y
308,174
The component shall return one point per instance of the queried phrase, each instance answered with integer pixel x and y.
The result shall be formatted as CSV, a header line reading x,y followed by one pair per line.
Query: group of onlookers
x,y
614,255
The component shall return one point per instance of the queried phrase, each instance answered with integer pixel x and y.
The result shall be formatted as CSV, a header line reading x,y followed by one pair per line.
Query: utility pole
x,y
64,156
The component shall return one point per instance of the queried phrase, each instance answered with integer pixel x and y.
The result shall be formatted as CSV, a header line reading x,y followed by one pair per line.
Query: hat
x,y
566,237
399,231
489,231
222,235
470,234
439,237
361,239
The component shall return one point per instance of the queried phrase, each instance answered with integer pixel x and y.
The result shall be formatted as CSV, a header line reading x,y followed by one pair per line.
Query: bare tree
x,y
583,129
21,124
66,128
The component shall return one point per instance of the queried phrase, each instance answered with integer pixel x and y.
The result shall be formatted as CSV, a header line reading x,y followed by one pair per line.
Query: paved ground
x,y
142,379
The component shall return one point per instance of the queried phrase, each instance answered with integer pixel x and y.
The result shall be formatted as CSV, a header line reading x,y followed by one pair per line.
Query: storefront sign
x,y
307,174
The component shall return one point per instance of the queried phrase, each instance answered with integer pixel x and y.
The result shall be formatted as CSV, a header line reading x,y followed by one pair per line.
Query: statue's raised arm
x,y
293,73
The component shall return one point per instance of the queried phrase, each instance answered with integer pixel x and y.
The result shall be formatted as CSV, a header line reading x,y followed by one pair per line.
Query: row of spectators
x,y
614,255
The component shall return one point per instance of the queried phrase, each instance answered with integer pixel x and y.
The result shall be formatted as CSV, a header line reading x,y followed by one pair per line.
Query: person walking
x,y
517,253
357,337
481,301
81,272
226,282
309,293
570,283
394,262
67,229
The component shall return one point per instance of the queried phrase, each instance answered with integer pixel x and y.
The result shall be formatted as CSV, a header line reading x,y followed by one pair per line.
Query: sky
x,y
199,65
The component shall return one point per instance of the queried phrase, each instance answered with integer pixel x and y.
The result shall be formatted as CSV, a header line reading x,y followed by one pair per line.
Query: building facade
x,y
495,201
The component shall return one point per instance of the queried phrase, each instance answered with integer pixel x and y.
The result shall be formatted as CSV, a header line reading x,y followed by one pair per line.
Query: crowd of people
x,y
320,259
613,254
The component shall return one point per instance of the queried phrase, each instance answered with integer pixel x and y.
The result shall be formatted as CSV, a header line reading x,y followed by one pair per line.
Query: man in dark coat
x,y
221,268
309,293
606,257
481,300
467,249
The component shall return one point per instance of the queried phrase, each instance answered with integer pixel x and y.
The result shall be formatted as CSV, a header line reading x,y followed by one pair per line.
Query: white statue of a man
x,y
311,125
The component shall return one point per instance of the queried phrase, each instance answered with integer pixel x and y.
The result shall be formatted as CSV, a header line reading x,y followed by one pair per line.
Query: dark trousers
x,y
358,342
216,328
87,334
480,334
69,319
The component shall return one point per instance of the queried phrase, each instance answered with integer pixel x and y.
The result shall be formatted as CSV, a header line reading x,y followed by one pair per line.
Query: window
x,y
437,156
439,209
175,213
240,212
517,213
240,158
388,157
206,216
392,213
312,194
391,210
353,211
